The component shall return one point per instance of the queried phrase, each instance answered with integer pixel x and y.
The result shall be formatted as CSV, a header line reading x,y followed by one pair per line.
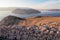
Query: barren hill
x,y
33,28
41,21
38,21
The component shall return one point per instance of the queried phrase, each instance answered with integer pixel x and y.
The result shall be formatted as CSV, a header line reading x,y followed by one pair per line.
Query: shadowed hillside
x,y
10,20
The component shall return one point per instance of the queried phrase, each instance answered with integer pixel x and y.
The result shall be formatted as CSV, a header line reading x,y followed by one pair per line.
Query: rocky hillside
x,y
16,32
10,20
33,28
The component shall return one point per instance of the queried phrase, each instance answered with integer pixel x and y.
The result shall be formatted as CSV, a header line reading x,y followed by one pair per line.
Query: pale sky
x,y
39,4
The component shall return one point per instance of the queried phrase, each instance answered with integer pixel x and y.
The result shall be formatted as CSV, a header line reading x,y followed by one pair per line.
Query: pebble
x,y
33,33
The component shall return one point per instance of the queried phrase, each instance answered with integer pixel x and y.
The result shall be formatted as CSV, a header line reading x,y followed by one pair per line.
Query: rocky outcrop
x,y
16,32
10,20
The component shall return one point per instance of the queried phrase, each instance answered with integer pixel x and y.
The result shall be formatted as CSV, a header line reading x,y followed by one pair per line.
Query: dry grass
x,y
41,21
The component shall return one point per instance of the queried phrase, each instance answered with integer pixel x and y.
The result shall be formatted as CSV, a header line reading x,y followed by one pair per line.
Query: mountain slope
x,y
34,28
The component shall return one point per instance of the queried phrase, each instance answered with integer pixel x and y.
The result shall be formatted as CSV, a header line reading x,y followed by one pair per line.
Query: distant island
x,y
50,9
25,11
54,10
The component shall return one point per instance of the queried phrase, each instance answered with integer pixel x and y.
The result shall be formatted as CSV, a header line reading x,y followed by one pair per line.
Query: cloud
x,y
31,3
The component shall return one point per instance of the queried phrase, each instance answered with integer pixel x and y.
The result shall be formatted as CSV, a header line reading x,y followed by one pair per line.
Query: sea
x,y
43,13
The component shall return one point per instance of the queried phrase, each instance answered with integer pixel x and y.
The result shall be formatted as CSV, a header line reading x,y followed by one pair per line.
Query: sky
x,y
39,4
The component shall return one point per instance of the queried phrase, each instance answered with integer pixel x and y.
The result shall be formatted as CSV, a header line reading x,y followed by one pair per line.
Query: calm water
x,y
50,13
43,13
3,14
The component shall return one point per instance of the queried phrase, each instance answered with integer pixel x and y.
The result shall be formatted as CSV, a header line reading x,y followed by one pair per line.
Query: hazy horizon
x,y
38,4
